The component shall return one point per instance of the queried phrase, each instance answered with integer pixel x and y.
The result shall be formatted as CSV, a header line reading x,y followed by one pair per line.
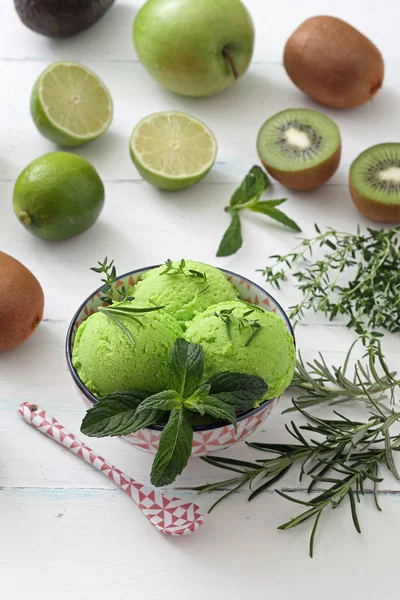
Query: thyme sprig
x,y
243,322
116,300
182,269
370,298
111,293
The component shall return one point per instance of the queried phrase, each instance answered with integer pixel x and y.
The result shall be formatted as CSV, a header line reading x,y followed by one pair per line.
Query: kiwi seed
x,y
300,147
375,182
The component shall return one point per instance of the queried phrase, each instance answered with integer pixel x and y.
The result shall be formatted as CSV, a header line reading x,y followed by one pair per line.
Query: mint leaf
x,y
186,368
264,205
113,414
195,401
166,400
151,409
217,408
239,390
174,449
276,214
144,417
232,240
251,188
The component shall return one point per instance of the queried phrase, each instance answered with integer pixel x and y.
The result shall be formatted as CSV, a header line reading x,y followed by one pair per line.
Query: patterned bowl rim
x,y
93,399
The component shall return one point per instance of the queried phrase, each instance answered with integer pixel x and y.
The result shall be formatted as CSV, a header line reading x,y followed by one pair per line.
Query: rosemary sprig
x,y
227,316
111,293
182,269
345,456
339,452
370,298
322,384
115,311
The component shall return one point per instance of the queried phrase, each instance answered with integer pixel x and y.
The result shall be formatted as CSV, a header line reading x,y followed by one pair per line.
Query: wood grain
x,y
66,531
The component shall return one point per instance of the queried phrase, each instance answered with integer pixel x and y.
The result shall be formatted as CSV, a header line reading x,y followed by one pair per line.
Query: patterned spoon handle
x,y
167,514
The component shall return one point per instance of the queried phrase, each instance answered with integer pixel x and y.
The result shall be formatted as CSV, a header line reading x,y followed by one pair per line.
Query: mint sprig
x,y
247,196
221,397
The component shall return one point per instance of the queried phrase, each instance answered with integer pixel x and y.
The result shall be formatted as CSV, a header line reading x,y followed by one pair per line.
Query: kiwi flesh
x,y
300,147
375,183
333,63
58,19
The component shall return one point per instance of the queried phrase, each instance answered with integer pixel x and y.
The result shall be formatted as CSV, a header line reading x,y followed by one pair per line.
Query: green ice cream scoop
x,y
107,361
183,294
270,353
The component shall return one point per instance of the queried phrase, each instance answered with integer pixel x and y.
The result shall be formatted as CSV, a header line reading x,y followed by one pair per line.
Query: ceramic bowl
x,y
206,438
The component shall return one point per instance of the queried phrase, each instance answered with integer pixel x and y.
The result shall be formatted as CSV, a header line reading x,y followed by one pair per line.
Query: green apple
x,y
194,47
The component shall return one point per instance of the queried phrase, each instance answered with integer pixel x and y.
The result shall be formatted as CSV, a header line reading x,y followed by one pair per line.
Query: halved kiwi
x,y
375,183
300,148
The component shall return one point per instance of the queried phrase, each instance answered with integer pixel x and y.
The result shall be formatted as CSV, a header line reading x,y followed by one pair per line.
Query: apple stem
x,y
228,56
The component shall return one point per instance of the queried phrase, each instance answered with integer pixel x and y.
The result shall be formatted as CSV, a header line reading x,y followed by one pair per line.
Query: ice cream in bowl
x,y
180,359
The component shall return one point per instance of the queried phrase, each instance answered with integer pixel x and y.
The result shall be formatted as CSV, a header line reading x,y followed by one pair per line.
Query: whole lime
x,y
58,196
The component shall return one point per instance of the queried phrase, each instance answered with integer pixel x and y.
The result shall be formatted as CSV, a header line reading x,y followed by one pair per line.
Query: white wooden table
x,y
67,532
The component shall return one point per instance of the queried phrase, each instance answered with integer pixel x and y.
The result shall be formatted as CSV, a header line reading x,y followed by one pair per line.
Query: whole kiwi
x,y
21,302
61,18
333,63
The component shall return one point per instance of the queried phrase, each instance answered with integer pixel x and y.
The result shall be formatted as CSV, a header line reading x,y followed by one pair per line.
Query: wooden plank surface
x,y
66,531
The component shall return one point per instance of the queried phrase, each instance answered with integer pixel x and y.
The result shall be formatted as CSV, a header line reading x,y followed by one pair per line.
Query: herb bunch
x,y
341,453
182,269
247,196
221,397
111,292
116,300
321,384
371,296
243,322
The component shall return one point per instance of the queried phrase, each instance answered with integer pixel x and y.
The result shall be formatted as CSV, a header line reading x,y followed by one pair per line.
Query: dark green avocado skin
x,y
61,18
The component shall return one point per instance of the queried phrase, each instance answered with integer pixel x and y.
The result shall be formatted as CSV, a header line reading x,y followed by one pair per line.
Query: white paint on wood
x,y
65,530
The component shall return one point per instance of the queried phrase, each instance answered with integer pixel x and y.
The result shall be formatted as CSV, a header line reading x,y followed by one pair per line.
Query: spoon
x,y
169,515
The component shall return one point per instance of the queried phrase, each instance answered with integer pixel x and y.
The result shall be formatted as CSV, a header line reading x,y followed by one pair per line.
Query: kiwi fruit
x,y
333,63
375,183
21,302
59,19
300,148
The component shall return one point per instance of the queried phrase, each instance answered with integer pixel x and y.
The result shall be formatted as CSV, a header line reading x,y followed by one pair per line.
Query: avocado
x,y
58,19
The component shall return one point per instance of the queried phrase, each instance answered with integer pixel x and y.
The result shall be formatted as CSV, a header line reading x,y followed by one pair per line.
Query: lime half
x,y
172,150
70,104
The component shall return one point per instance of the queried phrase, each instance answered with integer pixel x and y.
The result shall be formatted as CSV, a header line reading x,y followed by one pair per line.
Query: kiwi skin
x,y
333,63
21,302
307,179
376,211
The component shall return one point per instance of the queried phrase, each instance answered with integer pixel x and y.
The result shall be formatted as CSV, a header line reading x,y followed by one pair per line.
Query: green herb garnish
x,y
370,298
227,316
221,397
111,293
247,196
121,309
181,269
340,452
116,298
321,384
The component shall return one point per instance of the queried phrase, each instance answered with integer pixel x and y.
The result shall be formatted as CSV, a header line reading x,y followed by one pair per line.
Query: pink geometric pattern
x,y
217,438
168,514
